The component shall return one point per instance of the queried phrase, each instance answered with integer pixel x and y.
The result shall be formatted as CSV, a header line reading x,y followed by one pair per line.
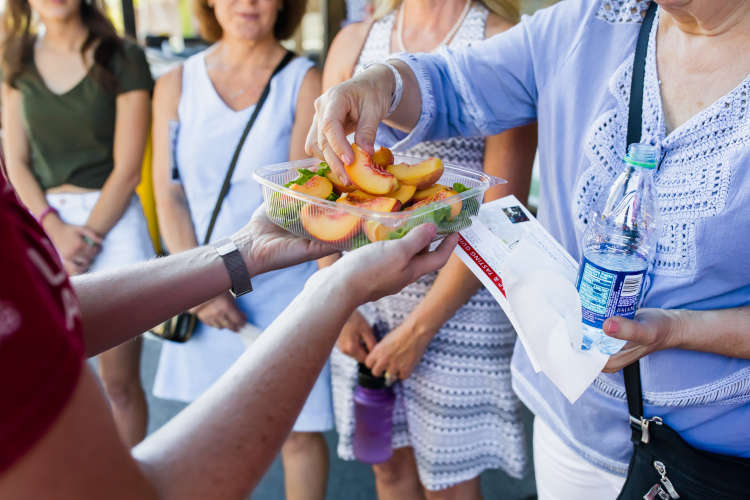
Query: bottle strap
x,y
237,150
632,372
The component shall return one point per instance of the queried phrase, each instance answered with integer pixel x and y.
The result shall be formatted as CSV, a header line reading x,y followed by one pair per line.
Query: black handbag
x,y
663,466
180,328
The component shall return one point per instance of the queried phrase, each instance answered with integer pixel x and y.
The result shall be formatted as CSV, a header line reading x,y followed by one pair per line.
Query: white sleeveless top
x,y
208,135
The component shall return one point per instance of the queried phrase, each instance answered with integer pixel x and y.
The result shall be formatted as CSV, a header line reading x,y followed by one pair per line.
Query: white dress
x,y
457,410
207,136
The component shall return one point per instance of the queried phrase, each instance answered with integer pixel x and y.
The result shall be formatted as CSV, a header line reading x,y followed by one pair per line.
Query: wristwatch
x,y
236,267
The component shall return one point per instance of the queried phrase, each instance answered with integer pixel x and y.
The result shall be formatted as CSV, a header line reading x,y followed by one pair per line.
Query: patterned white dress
x,y
457,410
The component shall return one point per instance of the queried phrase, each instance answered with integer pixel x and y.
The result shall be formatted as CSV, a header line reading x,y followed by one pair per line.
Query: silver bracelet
x,y
398,92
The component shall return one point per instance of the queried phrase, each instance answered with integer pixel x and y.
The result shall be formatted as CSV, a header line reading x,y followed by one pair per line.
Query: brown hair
x,y
287,21
507,9
18,42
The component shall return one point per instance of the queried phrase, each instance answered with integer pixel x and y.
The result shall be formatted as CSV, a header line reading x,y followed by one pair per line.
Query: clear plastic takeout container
x,y
347,227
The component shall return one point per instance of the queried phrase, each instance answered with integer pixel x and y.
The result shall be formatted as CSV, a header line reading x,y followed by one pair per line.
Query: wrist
x,y
244,243
420,328
51,223
679,321
328,282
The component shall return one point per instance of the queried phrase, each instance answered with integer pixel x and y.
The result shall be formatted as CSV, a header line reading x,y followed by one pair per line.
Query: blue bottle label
x,y
605,293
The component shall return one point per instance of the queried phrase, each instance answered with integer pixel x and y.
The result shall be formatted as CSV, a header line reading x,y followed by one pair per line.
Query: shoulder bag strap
x,y
632,373
232,164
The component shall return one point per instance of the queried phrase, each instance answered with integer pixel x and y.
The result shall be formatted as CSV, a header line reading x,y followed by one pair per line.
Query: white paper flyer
x,y
532,277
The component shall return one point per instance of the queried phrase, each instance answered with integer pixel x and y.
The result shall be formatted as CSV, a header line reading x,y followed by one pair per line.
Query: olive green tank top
x,y
71,135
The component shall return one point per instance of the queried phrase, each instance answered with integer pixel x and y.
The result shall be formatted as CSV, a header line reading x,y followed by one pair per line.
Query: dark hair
x,y
18,42
287,21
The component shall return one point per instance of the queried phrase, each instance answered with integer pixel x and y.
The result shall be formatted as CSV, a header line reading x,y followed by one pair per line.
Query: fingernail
x,y
611,326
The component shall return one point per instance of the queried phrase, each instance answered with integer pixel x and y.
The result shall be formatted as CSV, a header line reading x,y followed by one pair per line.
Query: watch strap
x,y
238,273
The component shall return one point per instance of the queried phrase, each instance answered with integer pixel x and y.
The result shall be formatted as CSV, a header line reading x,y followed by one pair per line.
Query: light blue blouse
x,y
568,67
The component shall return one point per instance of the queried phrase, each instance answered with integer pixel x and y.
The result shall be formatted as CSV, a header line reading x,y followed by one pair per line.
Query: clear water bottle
x,y
373,418
618,248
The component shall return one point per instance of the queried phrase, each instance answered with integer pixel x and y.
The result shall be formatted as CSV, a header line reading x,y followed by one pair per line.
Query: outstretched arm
x,y
118,305
220,446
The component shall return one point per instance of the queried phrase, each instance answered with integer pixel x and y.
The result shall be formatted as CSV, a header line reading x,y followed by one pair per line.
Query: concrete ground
x,y
347,480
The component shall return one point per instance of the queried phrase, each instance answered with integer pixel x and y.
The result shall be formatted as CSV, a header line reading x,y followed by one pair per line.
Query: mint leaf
x,y
459,188
306,174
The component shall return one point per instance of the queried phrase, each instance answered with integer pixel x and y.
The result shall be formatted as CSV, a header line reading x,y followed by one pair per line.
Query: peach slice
x,y
423,194
336,181
375,203
368,176
383,157
374,230
404,193
422,174
440,195
317,186
328,226
355,197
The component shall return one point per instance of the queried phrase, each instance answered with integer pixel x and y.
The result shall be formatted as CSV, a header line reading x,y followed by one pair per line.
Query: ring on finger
x,y
390,379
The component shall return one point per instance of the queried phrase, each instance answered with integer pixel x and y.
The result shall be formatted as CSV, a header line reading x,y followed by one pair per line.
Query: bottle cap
x,y
642,155
369,381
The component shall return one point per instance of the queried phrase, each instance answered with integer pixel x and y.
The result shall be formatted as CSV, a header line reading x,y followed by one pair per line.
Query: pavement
x,y
347,480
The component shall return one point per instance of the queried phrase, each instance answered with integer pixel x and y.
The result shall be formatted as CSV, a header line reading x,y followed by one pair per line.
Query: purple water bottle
x,y
373,418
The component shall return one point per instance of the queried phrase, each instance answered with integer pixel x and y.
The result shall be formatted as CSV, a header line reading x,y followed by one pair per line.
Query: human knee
x,y
395,470
301,442
123,393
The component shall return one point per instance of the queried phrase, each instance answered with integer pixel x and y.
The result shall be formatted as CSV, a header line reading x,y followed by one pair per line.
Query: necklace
x,y
448,36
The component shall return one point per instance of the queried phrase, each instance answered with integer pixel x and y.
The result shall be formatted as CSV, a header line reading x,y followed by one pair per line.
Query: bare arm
x,y
721,331
76,254
132,118
175,223
16,148
304,112
221,445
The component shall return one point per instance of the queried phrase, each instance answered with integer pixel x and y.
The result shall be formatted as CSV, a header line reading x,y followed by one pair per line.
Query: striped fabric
x,y
457,410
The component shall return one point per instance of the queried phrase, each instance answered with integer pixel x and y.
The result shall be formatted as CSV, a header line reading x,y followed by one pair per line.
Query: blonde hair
x,y
507,9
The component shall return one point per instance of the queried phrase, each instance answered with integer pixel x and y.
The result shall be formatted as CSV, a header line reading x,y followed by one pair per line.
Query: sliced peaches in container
x,y
368,176
317,186
338,183
388,195
404,193
421,175
454,204
330,226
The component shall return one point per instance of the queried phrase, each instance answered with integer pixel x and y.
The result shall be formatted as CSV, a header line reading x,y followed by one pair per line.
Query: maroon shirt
x,y
41,342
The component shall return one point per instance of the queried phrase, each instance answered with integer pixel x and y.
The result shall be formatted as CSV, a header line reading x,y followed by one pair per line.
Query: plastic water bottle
x,y
373,418
618,248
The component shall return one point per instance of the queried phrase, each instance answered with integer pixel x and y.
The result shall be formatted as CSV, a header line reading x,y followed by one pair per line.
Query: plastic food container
x,y
347,227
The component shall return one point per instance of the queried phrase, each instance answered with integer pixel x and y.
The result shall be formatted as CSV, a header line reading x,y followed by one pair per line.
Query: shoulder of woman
x,y
168,88
496,24
310,87
344,52
131,68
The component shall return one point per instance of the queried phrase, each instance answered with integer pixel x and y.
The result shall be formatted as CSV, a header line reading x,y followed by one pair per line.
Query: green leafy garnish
x,y
333,196
459,188
305,174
